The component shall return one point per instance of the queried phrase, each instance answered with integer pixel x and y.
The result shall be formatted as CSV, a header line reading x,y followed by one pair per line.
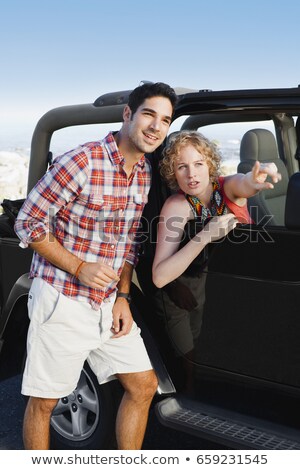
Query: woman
x,y
191,164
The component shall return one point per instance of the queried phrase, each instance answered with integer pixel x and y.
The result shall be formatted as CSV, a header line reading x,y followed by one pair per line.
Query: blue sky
x,y
59,52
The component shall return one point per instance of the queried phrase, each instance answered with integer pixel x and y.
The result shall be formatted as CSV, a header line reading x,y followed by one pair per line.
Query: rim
x,y
76,416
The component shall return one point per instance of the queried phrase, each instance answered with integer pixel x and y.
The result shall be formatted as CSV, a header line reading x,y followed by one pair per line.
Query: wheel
x,y
85,419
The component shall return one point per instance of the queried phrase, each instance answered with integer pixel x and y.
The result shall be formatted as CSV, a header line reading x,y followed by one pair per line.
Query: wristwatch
x,y
125,296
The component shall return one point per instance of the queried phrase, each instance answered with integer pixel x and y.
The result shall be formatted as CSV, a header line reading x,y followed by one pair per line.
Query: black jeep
x,y
232,374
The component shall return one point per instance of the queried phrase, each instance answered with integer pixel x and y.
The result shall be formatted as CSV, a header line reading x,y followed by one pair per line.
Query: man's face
x,y
149,125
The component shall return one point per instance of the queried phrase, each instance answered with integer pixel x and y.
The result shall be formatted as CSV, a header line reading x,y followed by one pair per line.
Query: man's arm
x,y
64,180
34,225
122,317
125,278
97,275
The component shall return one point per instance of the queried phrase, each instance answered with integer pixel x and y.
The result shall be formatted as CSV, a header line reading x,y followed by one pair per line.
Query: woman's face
x,y
192,172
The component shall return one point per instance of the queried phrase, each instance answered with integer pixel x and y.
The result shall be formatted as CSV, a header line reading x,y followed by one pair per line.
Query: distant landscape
x,y
14,162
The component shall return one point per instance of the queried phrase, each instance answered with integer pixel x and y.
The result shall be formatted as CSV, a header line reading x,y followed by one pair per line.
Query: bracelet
x,y
79,268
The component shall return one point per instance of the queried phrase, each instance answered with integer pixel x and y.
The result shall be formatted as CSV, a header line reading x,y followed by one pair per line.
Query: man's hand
x,y
122,318
97,275
260,172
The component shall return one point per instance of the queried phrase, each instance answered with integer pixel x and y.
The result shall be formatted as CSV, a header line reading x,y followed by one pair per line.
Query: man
x,y
81,219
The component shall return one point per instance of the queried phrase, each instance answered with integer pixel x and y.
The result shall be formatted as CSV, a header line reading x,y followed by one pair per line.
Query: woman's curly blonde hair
x,y
172,150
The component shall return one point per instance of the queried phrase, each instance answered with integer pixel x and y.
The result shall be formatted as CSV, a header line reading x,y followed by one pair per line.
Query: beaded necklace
x,y
217,204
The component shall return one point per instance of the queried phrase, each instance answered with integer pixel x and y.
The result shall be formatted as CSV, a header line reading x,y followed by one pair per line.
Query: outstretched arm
x,y
239,187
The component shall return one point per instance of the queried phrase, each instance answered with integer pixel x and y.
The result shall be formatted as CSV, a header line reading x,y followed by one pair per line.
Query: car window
x,y
68,138
228,137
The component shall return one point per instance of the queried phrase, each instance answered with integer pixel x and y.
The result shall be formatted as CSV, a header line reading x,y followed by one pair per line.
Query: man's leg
x,y
132,417
36,427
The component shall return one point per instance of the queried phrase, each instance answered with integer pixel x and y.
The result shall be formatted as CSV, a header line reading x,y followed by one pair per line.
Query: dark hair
x,y
149,90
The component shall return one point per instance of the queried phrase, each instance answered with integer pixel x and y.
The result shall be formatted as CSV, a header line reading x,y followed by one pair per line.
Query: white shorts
x,y
63,333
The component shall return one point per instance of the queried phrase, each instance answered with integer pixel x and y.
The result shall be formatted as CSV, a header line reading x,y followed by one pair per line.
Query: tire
x,y
85,419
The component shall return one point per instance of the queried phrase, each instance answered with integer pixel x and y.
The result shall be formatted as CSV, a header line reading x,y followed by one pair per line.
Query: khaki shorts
x,y
63,333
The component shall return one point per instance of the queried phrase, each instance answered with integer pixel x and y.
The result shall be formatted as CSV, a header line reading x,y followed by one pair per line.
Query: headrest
x,y
258,144
172,136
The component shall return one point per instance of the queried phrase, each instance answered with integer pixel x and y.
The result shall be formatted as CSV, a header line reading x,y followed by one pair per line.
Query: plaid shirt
x,y
86,200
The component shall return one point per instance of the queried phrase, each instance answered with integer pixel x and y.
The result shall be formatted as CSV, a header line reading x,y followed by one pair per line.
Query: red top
x,y
241,212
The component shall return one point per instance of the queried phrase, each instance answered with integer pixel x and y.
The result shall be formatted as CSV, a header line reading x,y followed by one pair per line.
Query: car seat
x,y
266,207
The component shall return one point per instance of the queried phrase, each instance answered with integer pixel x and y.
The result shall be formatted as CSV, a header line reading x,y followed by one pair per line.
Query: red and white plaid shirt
x,y
86,200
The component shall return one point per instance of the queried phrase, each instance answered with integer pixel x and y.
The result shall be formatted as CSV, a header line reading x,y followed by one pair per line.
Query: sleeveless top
x,y
219,205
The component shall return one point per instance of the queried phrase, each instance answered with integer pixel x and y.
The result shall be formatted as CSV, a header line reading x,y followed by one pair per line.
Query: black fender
x,y
13,329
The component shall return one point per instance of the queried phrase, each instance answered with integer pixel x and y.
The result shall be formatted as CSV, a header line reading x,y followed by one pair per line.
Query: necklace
x,y
217,204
